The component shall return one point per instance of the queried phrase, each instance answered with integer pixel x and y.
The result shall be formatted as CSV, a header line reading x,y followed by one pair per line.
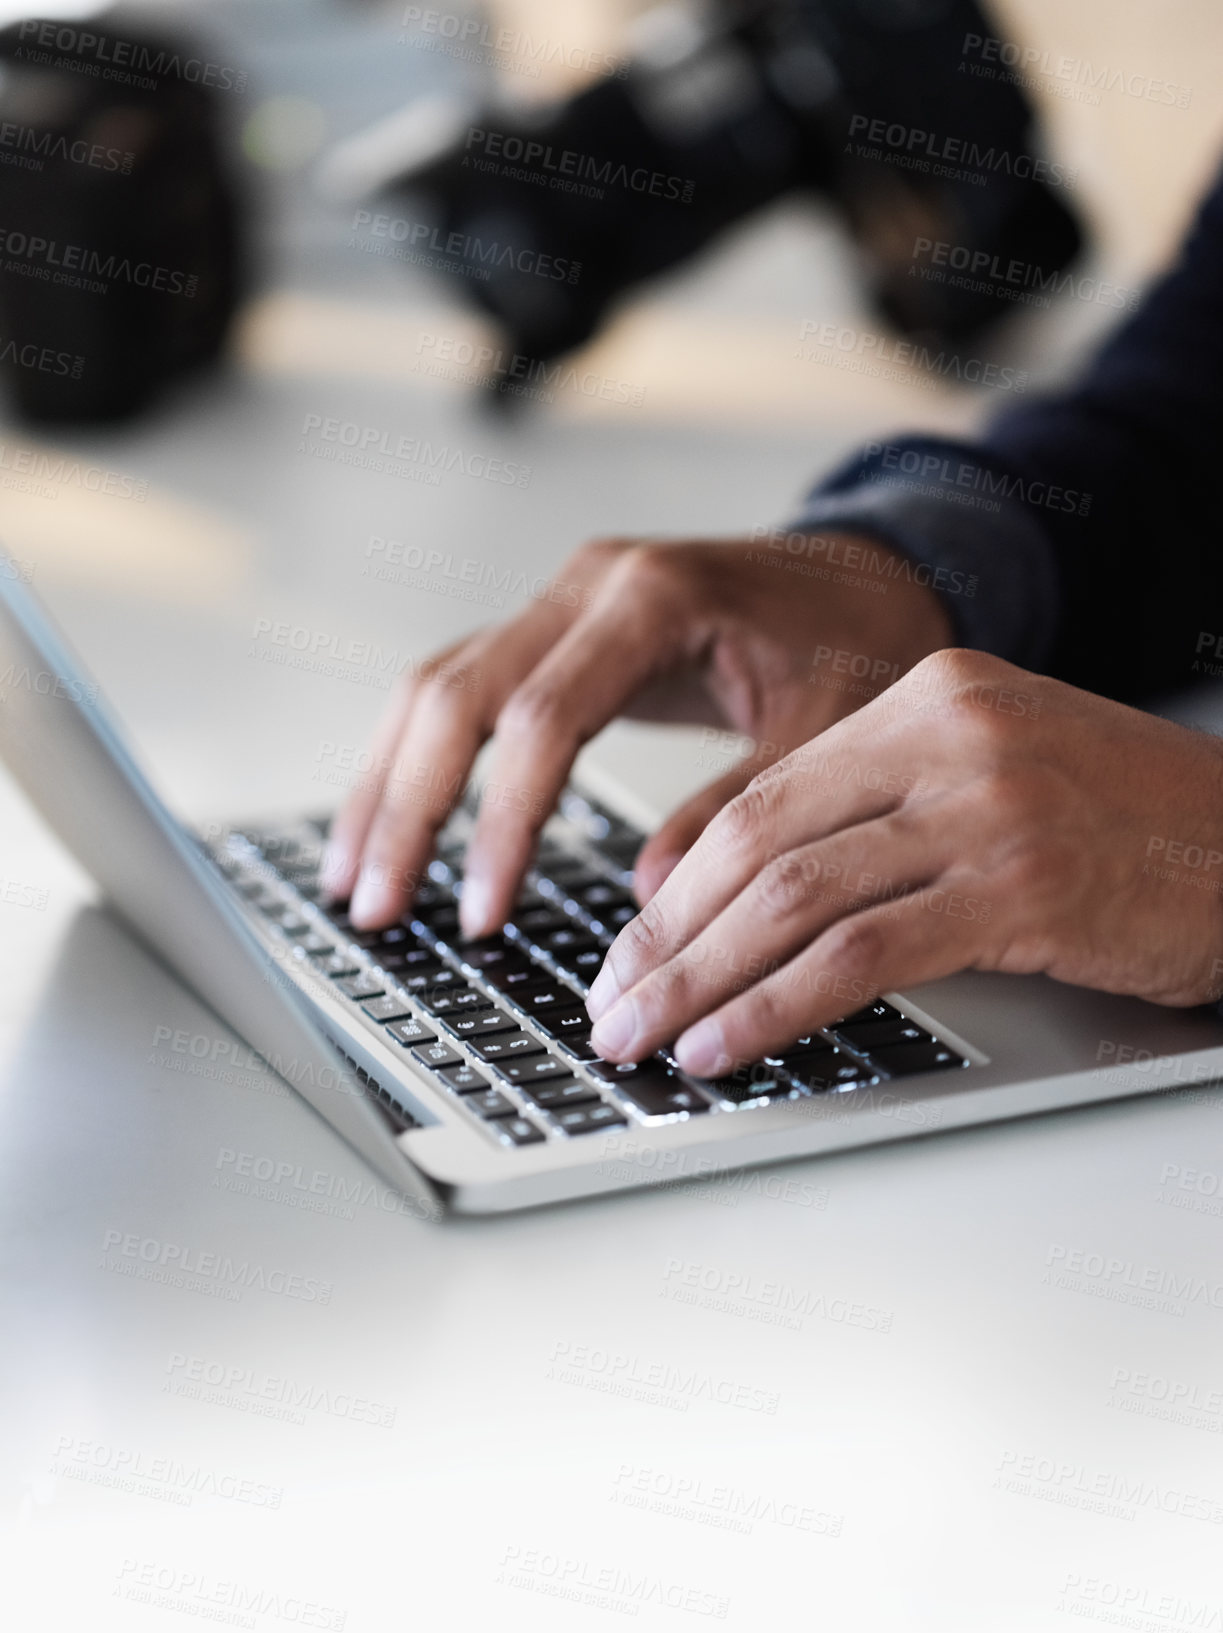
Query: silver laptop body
x,y
449,1123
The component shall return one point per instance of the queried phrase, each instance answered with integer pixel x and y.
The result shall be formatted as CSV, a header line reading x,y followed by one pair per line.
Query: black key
x,y
752,1083
602,896
443,920
490,952
337,964
389,1008
613,920
903,1059
509,979
569,876
586,1119
580,1048
392,944
827,1069
800,1049
432,977
490,1103
610,1072
582,967
452,999
411,1031
480,1023
508,1045
567,943
566,1092
427,897
566,1023
657,1092
367,939
437,1054
408,958
537,922
517,1131
426,977
870,1035
491,1021
622,850
547,995
532,1069
362,986
464,1078
878,1011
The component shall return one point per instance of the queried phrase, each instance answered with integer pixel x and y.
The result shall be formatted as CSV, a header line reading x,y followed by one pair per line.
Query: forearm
x,y
1090,521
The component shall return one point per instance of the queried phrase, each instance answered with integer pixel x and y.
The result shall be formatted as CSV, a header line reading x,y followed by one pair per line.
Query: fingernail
x,y
604,990
701,1050
474,902
614,1034
371,901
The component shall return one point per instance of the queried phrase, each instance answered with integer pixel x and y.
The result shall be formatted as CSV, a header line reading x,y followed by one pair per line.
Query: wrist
x,y
898,609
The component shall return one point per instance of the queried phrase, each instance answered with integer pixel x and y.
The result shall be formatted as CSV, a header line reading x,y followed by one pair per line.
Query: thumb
x,y
664,849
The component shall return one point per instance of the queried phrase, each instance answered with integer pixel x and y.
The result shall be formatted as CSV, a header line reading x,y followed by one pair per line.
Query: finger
x,y
661,853
443,738
351,823
636,627
789,904
812,793
879,949
451,716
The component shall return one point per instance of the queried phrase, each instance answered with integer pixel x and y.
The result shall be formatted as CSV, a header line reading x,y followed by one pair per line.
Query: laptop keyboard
x,y
499,1024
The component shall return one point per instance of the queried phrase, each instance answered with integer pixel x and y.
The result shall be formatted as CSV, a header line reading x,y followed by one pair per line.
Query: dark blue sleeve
x,y
1090,524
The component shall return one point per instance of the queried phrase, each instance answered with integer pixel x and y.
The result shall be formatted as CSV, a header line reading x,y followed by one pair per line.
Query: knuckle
x,y
780,889
744,822
655,567
955,666
854,946
642,941
532,712
442,687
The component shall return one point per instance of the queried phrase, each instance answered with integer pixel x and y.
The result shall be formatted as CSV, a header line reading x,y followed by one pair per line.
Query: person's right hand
x,y
726,633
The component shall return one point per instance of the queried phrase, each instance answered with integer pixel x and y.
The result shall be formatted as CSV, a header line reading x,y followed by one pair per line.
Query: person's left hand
x,y
973,816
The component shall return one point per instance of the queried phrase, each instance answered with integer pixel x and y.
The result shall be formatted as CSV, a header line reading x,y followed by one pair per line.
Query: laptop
x,y
462,1071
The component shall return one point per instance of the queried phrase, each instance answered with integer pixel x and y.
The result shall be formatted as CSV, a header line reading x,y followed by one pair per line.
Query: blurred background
x,y
199,531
